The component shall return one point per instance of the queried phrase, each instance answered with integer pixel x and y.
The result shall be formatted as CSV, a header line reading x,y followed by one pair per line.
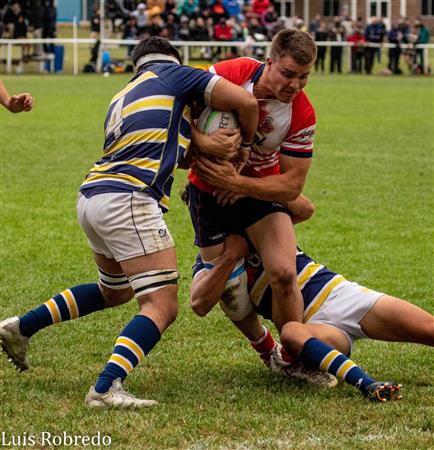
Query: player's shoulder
x,y
303,110
301,103
237,70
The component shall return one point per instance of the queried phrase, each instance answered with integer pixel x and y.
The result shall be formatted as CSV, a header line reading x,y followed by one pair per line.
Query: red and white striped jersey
x,y
283,128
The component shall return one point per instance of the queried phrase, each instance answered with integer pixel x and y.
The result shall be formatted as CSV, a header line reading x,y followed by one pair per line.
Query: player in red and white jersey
x,y
222,201
283,128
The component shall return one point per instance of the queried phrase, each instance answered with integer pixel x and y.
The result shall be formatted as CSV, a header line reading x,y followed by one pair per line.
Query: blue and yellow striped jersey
x,y
147,131
315,281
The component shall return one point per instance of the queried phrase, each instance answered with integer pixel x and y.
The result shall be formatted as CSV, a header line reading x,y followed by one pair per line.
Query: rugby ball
x,y
211,120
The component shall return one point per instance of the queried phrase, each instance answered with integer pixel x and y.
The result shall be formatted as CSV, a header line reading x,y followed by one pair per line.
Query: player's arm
x,y
224,143
227,96
15,103
208,285
285,187
302,209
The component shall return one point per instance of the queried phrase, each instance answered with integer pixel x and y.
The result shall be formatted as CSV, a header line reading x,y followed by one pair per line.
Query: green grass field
x,y
372,183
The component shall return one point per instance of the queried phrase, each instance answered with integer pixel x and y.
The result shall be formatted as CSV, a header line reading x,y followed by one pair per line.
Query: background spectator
x,y
321,35
336,34
358,50
260,6
423,37
189,8
141,18
36,22
314,25
218,11
269,19
394,37
373,35
233,8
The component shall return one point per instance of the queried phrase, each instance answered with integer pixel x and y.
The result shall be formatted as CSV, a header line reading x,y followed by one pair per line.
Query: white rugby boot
x,y
13,343
312,376
115,397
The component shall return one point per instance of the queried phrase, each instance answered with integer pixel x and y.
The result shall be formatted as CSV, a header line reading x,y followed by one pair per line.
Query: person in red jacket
x,y
358,50
260,6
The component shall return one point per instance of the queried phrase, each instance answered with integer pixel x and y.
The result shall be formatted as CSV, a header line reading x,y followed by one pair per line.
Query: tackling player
x,y
121,205
274,174
337,312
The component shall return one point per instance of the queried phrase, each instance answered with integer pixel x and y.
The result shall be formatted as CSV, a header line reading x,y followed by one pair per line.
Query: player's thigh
x,y
211,221
274,238
393,319
209,254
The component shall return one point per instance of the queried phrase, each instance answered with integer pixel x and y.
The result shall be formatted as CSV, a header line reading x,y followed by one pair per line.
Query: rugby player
x,y
15,103
275,172
337,312
121,205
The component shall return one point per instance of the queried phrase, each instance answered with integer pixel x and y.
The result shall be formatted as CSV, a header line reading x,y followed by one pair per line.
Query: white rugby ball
x,y
211,120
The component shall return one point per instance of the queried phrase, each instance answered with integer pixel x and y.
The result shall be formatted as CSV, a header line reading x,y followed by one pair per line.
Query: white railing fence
x,y
6,48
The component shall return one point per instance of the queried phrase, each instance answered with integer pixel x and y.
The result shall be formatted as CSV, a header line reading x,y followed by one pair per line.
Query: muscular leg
x,y
393,319
274,238
310,343
153,279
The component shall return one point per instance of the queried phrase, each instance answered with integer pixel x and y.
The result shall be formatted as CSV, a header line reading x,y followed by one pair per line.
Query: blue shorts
x,y
213,222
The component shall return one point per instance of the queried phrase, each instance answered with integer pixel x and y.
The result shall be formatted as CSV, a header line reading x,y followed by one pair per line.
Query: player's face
x,y
286,78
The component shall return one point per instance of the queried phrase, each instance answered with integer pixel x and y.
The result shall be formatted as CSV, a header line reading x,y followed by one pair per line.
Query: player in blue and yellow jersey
x,y
121,205
336,313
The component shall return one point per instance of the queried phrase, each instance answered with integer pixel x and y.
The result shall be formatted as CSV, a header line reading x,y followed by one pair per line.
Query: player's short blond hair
x,y
296,44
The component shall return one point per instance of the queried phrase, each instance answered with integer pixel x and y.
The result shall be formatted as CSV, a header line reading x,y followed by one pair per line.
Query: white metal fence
x,y
6,48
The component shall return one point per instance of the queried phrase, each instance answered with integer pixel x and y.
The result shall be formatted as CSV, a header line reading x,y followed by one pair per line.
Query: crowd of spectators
x,y
257,21
192,20
227,20
21,19
363,56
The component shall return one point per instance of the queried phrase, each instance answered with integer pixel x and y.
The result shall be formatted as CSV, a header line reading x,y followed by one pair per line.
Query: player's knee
x,y
428,331
198,307
113,298
292,337
283,278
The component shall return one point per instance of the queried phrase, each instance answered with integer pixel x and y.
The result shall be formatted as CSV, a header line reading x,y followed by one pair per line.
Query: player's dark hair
x,y
154,44
296,44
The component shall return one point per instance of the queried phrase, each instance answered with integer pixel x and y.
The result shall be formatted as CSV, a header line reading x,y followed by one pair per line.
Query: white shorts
x,y
345,307
123,225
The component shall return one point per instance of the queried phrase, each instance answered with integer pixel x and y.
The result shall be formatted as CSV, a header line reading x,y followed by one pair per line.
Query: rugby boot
x,y
115,397
13,343
383,391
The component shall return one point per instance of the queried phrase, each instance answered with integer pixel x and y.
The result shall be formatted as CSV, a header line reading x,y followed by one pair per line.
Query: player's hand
x,y
236,246
241,159
222,143
219,174
20,102
225,197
